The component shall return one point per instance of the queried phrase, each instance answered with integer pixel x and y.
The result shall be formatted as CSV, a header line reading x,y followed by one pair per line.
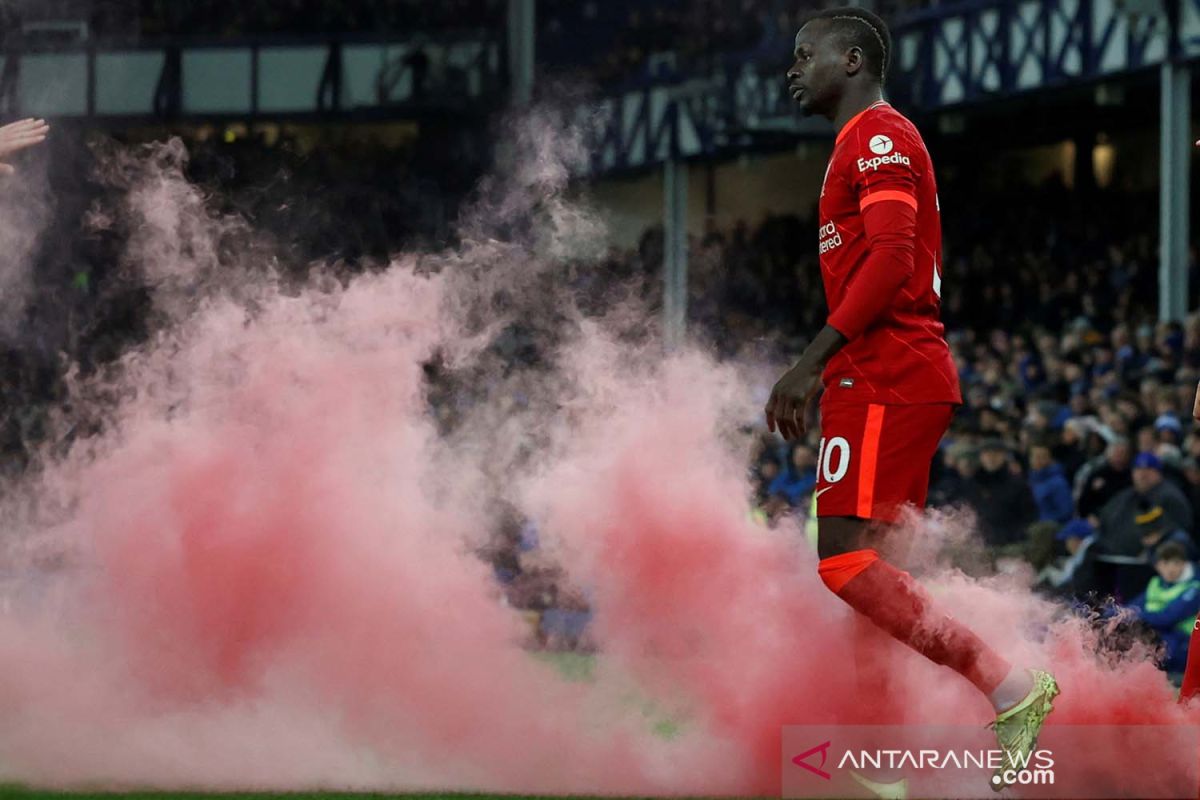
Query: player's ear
x,y
854,60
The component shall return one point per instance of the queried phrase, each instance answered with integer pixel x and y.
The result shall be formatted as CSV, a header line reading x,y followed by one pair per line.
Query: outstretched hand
x,y
19,136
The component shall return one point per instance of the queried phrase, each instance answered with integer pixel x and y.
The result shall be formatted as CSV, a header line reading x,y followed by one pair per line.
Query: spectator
x,y
956,486
1103,478
798,478
1003,500
1168,428
1172,465
1170,604
1119,528
1071,450
1158,530
1049,485
1066,576
1191,475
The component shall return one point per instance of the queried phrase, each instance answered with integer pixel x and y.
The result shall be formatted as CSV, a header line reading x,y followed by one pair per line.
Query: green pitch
x,y
572,667
29,794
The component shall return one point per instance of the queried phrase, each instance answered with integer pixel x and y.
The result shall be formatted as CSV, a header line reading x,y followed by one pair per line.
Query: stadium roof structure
x,y
983,49
271,77
951,56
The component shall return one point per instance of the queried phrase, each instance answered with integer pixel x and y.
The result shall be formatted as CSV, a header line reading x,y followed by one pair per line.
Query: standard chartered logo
x,y
830,238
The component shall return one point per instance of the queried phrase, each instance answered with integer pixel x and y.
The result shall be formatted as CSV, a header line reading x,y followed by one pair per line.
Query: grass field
x,y
30,794
570,666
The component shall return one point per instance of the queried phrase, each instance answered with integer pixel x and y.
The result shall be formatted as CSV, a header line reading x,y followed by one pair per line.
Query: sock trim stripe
x,y
837,571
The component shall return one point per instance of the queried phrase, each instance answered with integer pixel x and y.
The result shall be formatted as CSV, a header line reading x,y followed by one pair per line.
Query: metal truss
x,y
951,55
982,50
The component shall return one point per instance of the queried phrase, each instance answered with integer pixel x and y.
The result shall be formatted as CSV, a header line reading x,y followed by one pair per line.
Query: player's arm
x,y
888,204
887,200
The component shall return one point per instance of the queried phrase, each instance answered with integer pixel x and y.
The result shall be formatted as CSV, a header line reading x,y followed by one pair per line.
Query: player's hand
x,y
18,136
1196,406
791,399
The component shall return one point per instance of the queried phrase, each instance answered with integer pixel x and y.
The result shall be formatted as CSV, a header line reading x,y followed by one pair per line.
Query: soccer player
x,y
890,382
18,136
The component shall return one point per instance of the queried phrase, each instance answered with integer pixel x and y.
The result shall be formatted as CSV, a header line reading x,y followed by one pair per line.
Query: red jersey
x,y
881,252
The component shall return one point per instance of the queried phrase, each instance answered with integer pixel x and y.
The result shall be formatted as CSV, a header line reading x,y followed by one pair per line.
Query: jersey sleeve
x,y
884,183
886,168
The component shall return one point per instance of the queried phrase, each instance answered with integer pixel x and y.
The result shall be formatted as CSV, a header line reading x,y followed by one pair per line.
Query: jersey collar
x,y
856,118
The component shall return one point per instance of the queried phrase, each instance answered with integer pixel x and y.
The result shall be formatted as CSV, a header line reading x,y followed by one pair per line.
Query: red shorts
x,y
875,459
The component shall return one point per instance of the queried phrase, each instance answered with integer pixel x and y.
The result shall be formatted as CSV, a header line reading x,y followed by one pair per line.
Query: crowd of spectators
x,y
352,202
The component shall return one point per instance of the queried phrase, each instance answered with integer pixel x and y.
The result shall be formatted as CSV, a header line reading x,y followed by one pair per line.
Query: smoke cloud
x,y
263,572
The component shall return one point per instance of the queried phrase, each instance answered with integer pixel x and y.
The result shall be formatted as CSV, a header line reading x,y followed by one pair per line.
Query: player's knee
x,y
831,547
838,570
839,535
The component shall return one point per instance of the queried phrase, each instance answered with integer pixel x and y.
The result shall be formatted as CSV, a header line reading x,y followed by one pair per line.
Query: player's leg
x,y
873,461
897,604
868,642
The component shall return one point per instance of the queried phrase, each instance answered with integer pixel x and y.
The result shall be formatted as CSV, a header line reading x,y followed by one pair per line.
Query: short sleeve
x,y
884,168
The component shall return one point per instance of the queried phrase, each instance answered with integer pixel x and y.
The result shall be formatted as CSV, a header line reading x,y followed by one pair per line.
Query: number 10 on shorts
x,y
833,459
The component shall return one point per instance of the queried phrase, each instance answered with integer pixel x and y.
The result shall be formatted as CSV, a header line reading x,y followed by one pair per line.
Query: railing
x,y
247,78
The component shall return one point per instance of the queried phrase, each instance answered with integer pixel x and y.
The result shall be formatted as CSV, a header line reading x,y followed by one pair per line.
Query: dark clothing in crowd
x,y
1052,494
1099,483
1119,530
1003,503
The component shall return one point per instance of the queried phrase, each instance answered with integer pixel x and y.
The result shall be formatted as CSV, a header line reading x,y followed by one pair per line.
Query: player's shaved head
x,y
857,27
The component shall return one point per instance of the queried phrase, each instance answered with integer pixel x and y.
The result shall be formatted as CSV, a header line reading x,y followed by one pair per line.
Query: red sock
x,y
1191,673
897,604
873,678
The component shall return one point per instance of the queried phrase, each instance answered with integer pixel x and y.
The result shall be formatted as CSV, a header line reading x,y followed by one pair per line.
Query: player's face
x,y
815,79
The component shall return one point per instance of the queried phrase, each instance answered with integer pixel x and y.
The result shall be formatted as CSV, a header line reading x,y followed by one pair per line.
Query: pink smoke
x,y
269,575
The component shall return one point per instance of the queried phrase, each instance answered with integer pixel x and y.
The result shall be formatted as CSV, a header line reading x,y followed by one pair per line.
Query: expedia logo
x,y
865,164
880,145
